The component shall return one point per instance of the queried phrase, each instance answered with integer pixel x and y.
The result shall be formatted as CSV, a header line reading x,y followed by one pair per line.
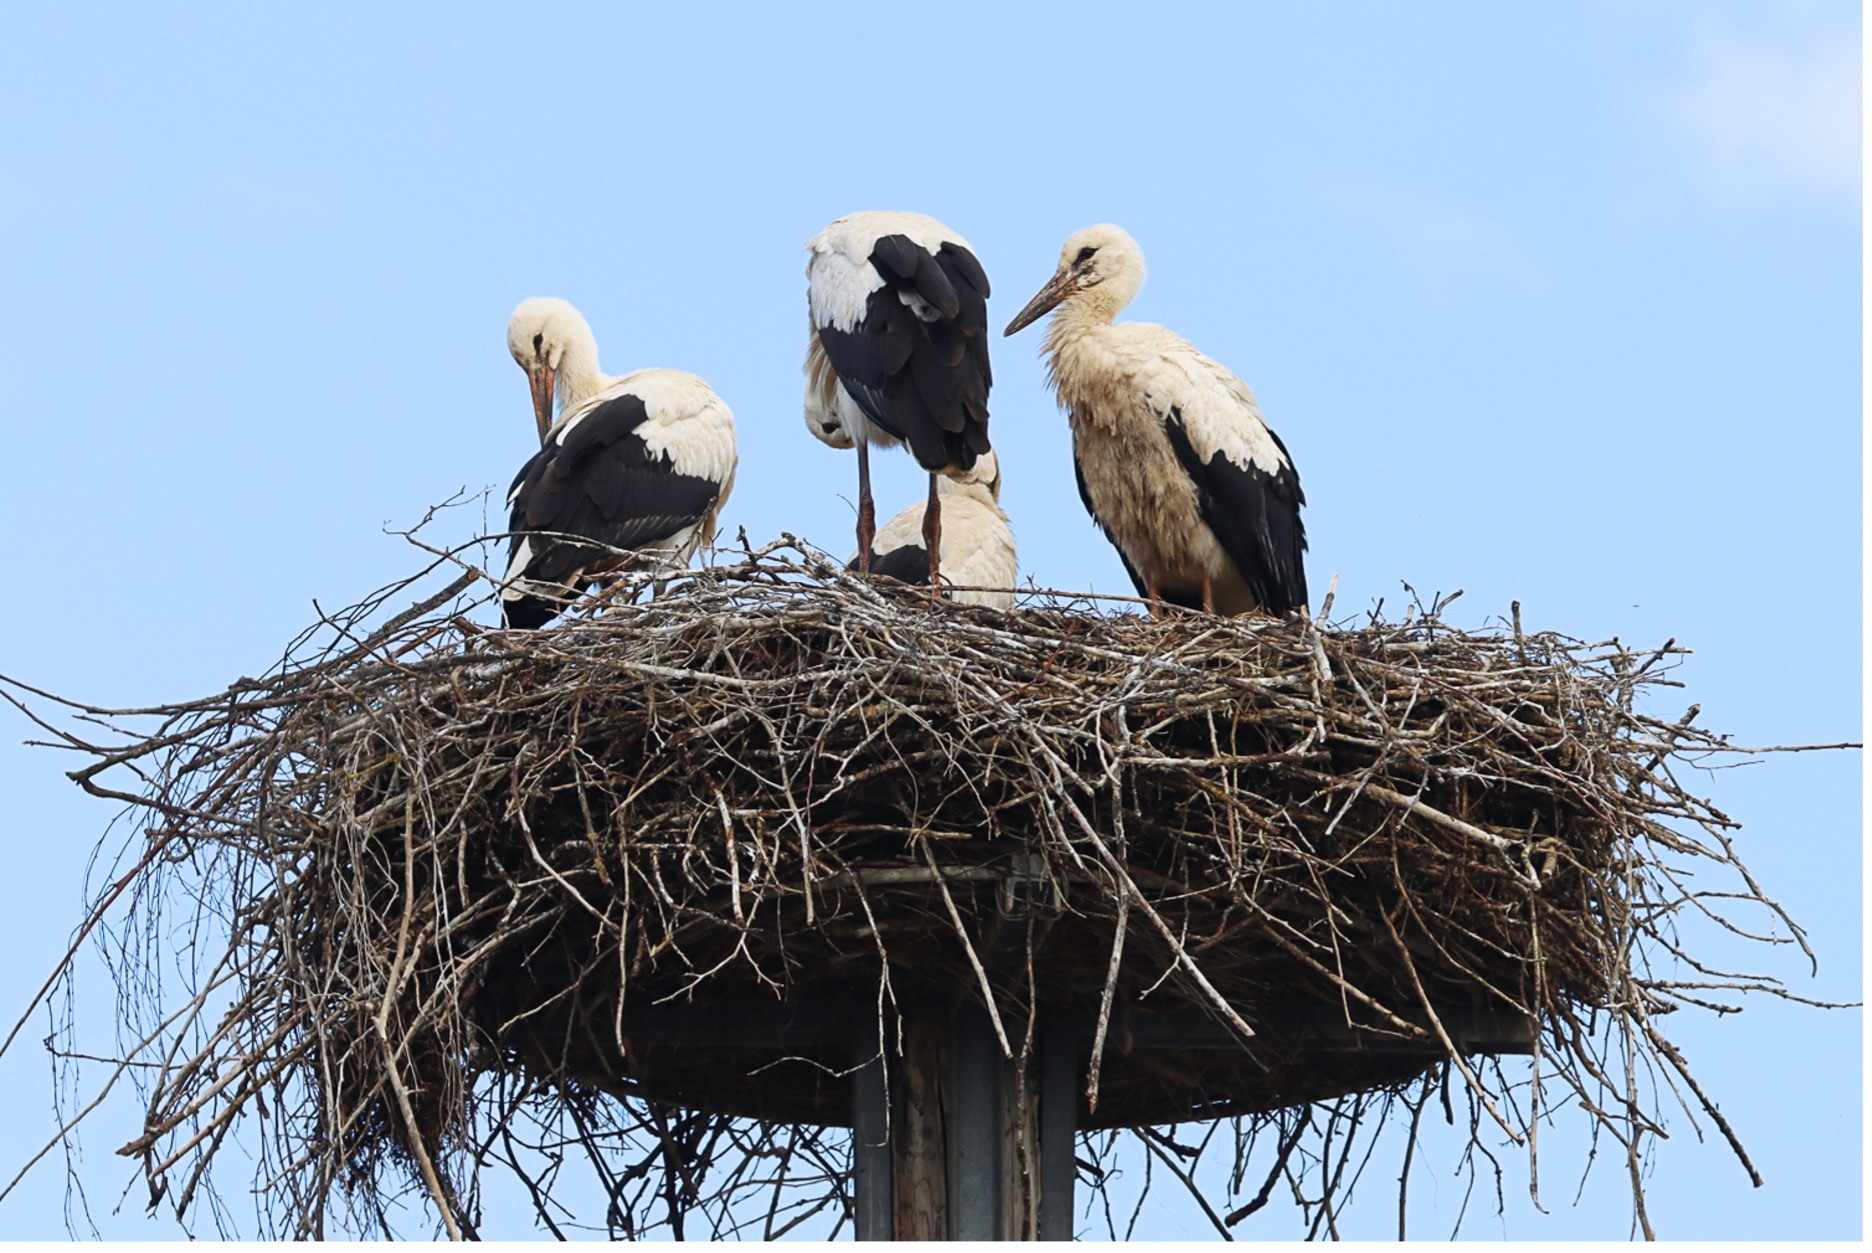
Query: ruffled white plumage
x,y
978,551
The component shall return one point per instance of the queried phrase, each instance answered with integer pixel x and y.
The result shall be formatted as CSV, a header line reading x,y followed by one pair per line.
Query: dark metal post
x,y
1059,1108
871,1150
934,1152
977,1207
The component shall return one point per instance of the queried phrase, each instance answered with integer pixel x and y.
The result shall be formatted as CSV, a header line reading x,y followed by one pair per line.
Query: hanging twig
x,y
452,886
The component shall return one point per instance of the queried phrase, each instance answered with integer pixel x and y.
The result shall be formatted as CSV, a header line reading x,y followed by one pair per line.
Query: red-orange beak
x,y
540,380
1060,286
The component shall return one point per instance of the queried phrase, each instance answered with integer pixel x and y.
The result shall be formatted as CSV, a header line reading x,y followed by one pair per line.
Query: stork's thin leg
x,y
932,534
1150,594
1208,593
867,514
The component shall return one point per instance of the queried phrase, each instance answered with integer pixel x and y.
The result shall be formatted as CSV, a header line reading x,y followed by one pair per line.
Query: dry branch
x,y
451,877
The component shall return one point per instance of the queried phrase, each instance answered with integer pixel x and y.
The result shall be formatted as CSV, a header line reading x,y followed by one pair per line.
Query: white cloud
x,y
1437,240
1771,120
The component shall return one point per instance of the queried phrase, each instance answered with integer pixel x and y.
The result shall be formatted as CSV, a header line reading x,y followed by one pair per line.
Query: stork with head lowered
x,y
632,474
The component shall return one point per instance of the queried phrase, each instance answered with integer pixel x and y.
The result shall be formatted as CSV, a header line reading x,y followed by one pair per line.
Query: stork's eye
x,y
538,340
1085,255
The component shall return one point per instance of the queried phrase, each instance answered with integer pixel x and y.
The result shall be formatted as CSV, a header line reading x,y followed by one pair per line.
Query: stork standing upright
x,y
977,543
1174,461
898,351
643,462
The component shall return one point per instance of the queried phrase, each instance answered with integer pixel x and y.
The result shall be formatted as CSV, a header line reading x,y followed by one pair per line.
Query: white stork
x,y
977,543
1174,461
898,351
642,462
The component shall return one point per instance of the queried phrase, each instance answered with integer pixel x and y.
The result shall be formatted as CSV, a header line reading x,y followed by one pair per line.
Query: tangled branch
x,y
453,900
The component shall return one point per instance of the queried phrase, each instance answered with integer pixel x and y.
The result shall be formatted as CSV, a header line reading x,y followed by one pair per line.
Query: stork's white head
x,y
985,473
1100,267
549,339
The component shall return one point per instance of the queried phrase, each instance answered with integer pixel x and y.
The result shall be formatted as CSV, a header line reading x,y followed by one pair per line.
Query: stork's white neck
x,y
1084,316
1085,362
578,374
1086,312
974,491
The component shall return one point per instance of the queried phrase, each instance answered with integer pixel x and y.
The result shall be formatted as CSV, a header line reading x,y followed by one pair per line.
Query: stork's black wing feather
x,y
602,482
918,362
529,613
908,564
1255,516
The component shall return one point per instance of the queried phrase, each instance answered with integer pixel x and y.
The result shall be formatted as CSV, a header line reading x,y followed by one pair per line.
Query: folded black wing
x,y
1255,515
603,483
917,362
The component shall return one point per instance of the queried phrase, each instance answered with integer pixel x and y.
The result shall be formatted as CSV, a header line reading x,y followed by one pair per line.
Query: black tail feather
x,y
528,613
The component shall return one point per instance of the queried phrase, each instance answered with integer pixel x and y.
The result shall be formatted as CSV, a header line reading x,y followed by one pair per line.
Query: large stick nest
x,y
464,875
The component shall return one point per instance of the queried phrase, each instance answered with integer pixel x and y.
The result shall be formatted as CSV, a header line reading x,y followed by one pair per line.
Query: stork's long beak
x,y
540,379
1060,286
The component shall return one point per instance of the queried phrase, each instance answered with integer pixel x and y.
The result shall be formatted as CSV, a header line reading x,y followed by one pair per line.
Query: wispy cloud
x,y
1439,241
1773,116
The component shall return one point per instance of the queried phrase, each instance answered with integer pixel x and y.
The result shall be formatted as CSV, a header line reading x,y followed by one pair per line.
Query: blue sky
x,y
1551,303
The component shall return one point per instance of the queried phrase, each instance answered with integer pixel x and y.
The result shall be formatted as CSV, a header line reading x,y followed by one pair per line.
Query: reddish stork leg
x,y
1150,594
1208,593
867,514
932,535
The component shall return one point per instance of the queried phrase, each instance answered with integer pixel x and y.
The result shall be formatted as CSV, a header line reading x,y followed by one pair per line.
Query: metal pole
x,y
977,1206
1059,1110
871,1150
930,1150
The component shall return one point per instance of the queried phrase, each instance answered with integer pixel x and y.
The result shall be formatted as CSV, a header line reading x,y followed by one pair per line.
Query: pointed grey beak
x,y
1060,286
